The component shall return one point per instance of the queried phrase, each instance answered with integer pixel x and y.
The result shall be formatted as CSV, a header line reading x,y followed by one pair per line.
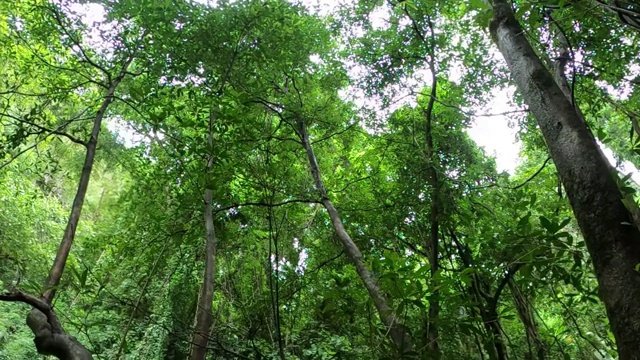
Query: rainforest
x,y
318,179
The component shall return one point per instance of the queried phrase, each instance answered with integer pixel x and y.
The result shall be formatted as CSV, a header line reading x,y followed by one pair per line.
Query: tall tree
x,y
205,299
238,201
607,225
50,337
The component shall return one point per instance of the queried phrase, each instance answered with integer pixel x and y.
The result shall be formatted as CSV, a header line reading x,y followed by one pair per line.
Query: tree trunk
x,y
49,336
525,313
55,273
559,65
607,225
484,304
398,333
492,324
434,230
200,338
434,300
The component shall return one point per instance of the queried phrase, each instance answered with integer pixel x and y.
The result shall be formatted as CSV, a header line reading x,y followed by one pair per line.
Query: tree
x,y
607,225
260,161
50,337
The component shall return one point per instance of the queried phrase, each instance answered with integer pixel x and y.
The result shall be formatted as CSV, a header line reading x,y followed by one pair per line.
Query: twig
x,y
265,204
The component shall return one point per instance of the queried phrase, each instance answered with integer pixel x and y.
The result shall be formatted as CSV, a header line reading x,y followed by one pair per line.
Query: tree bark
x,y
434,228
55,273
434,300
49,336
203,320
492,325
559,67
397,331
525,313
607,225
485,304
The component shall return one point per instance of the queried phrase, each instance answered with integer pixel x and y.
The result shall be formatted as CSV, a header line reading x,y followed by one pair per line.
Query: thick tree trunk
x,y
49,336
607,226
564,55
203,313
53,340
398,333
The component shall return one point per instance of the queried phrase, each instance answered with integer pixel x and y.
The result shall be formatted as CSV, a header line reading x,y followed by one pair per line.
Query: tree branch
x,y
513,269
19,296
303,201
532,176
45,129
76,42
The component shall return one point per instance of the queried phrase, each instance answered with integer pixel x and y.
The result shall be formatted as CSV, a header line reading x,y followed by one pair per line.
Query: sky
x,y
493,133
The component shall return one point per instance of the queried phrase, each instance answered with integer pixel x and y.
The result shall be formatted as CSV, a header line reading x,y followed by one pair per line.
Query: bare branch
x,y
298,201
47,130
19,296
65,31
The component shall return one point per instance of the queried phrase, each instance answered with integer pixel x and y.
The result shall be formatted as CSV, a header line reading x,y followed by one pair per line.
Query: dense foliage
x,y
268,179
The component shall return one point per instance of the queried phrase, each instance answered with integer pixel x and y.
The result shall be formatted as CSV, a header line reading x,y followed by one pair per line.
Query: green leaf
x,y
564,223
548,225
479,4
524,220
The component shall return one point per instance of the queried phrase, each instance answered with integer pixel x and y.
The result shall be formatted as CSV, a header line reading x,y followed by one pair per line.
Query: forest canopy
x,y
273,179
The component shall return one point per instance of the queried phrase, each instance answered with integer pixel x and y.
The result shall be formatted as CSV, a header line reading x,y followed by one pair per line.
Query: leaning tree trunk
x,y
49,336
398,333
55,274
559,65
203,312
607,225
